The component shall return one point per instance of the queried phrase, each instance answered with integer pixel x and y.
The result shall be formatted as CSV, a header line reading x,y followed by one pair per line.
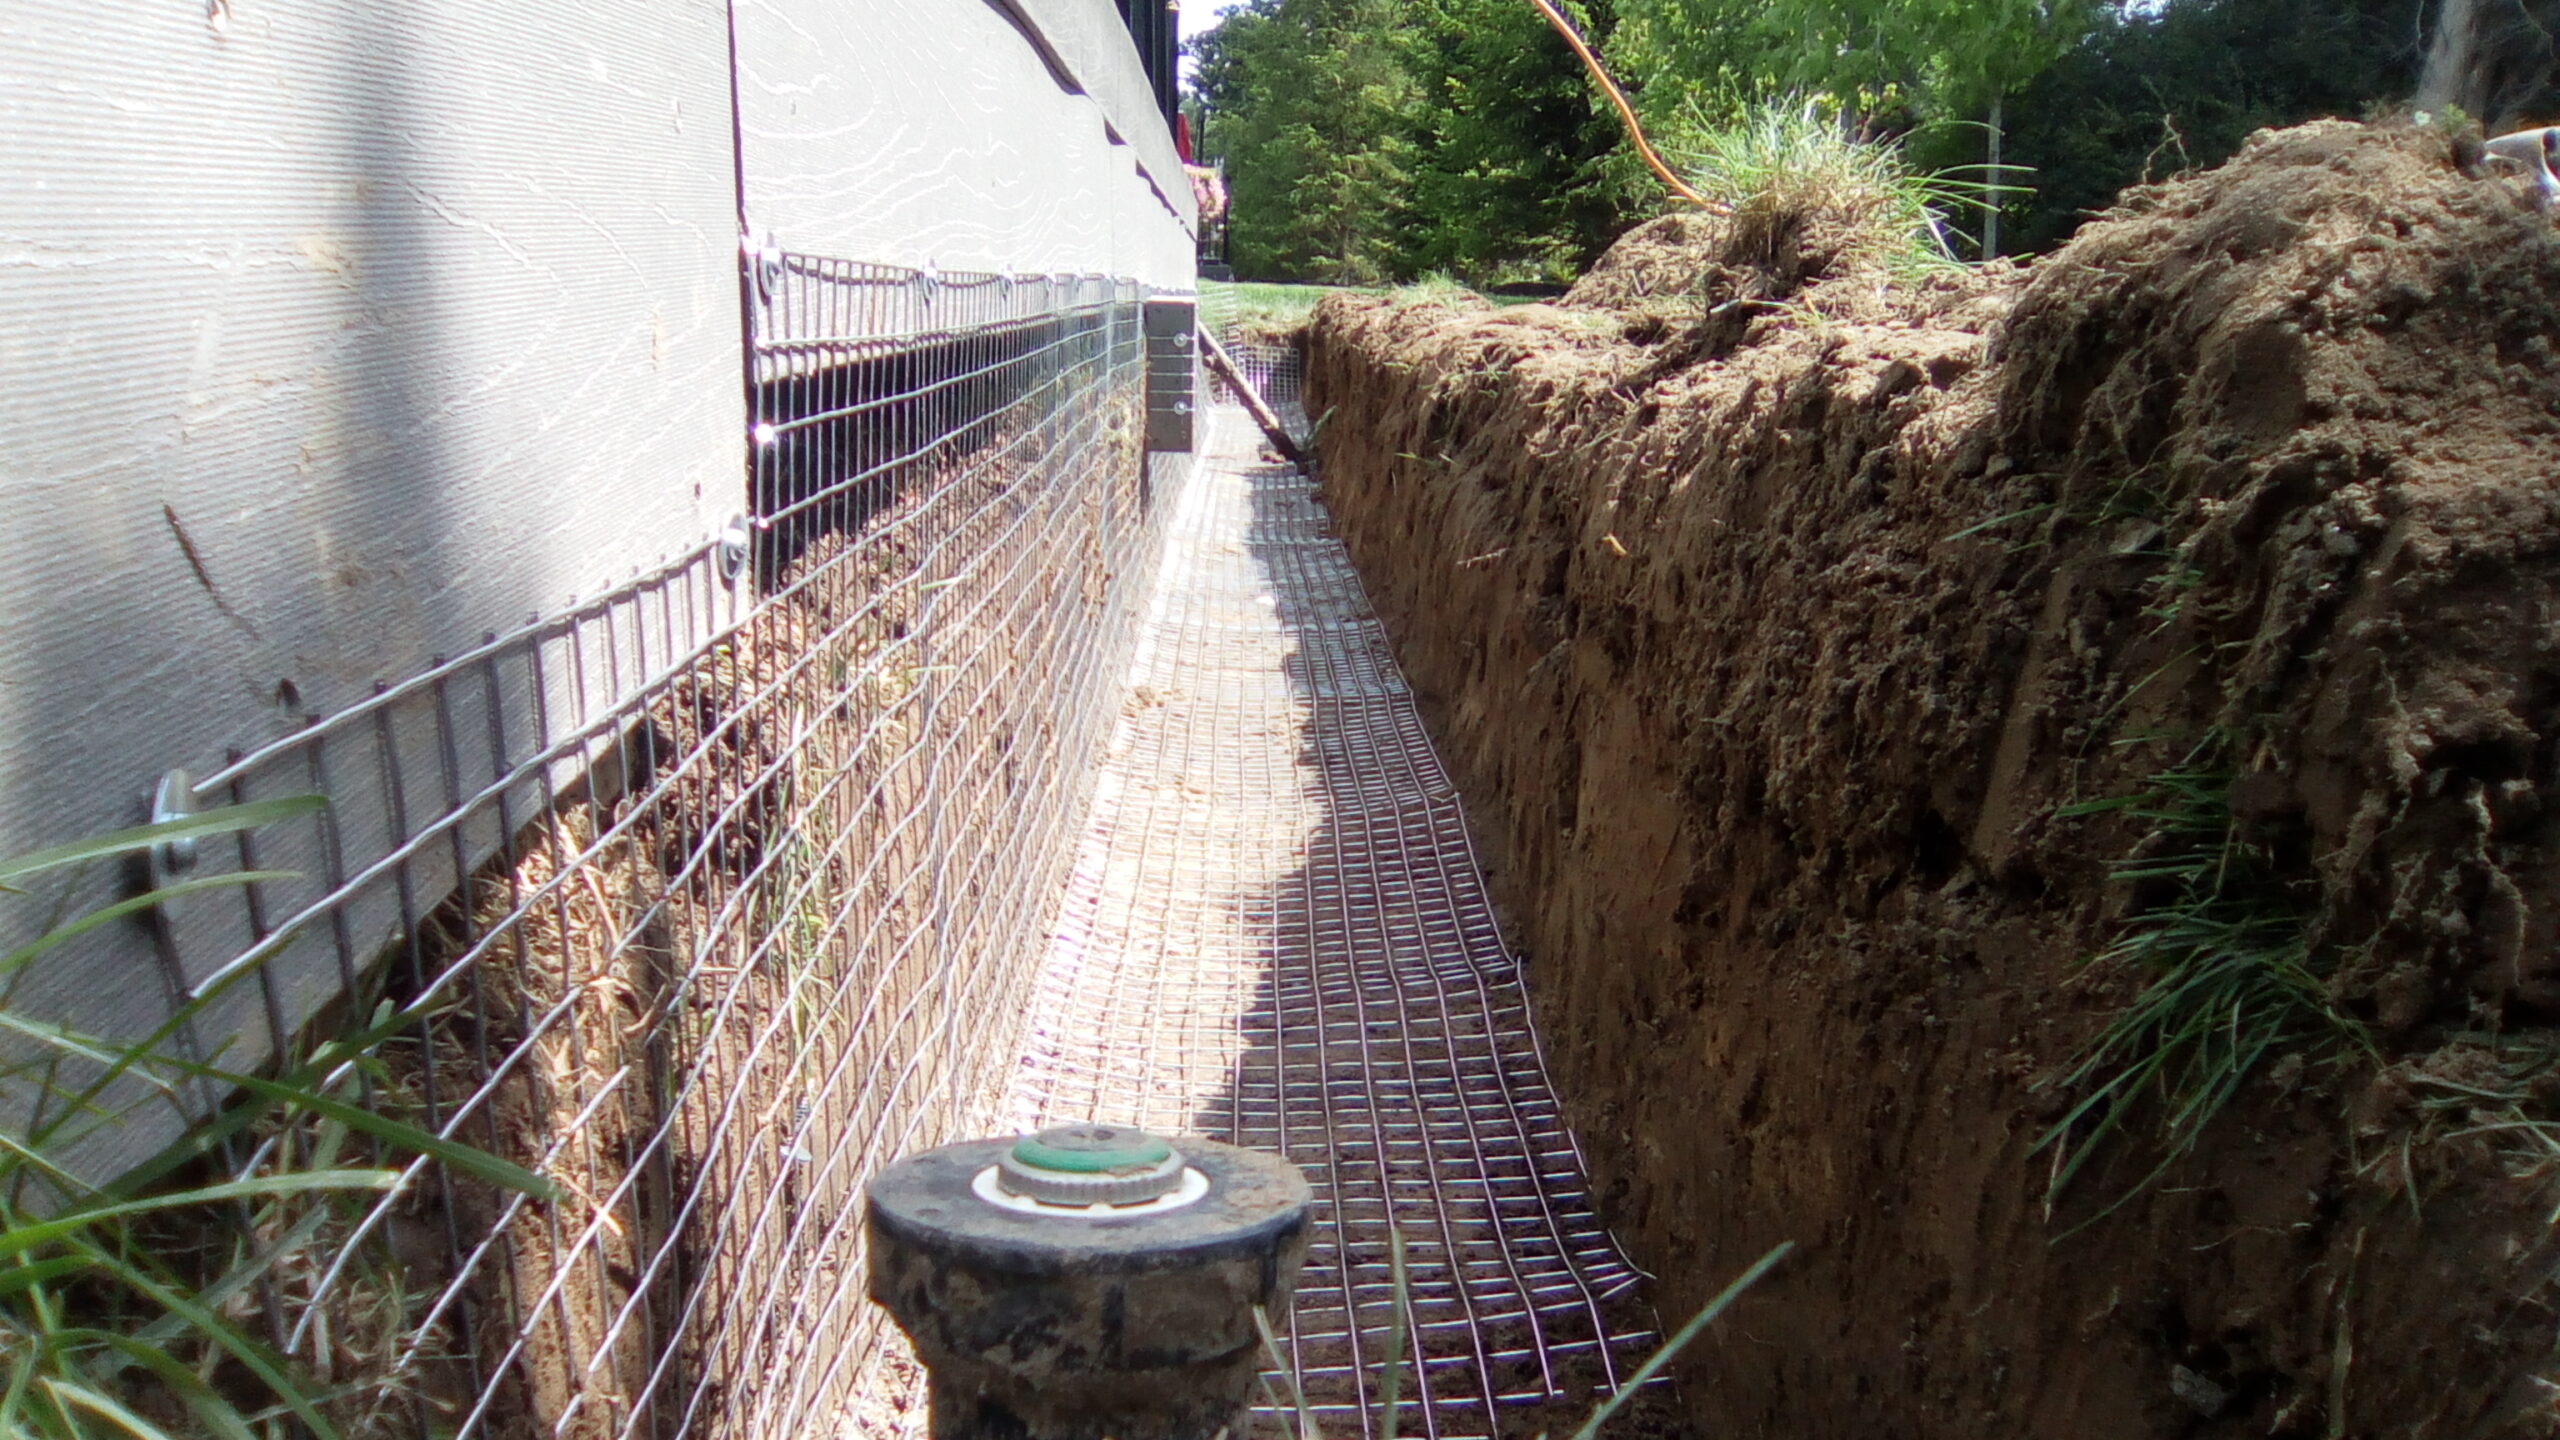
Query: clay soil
x,y
1784,617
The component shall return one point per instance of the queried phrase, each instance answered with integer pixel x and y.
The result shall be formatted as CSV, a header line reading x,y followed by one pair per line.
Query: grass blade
x,y
1271,1347
16,1279
133,905
1680,1340
38,1233
216,1414
1396,1327
1997,521
239,1277
67,1396
453,1154
142,837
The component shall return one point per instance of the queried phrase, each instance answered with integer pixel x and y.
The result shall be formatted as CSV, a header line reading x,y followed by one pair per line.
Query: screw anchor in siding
x,y
173,798
764,262
730,552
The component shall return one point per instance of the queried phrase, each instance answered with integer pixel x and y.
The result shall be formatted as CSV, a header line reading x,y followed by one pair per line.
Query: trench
x,y
1003,775
1276,933
1834,688
1024,778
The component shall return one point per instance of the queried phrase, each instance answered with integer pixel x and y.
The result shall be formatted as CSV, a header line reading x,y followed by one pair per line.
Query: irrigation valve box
x,y
1172,372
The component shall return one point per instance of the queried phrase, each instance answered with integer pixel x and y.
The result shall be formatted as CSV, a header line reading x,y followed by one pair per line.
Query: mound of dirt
x,y
1801,668
1666,258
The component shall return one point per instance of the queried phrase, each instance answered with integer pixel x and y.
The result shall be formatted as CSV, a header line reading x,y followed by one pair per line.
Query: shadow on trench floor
x,y
1277,934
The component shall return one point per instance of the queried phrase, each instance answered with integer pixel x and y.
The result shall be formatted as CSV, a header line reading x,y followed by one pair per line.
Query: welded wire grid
x,y
1277,935
1275,368
760,850
1277,372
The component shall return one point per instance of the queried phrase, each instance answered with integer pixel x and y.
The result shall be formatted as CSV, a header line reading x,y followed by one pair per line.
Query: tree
x,y
1306,102
2495,60
1510,146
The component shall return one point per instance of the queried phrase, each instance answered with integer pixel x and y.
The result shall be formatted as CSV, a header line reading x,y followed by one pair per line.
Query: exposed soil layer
x,y
1783,624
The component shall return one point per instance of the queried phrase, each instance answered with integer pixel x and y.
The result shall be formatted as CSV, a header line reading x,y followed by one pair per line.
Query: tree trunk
x,y
2496,63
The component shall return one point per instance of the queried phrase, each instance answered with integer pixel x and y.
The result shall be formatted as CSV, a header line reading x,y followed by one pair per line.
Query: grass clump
x,y
1437,287
1399,1340
2224,942
123,1304
1794,175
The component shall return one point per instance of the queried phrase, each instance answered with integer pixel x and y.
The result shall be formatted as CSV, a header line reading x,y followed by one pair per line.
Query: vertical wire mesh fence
x,y
707,897
703,899
1276,367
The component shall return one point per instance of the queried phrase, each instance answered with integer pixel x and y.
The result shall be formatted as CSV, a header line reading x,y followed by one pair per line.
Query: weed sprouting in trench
x,y
2232,980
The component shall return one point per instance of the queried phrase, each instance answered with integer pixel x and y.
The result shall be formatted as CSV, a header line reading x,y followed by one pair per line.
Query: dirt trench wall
x,y
1778,623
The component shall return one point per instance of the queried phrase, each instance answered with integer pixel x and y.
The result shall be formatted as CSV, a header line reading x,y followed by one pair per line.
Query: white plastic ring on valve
x,y
1081,1166
736,540
1190,1187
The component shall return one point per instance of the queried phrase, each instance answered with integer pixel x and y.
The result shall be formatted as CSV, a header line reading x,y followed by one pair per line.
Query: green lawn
x,y
1256,310
1251,308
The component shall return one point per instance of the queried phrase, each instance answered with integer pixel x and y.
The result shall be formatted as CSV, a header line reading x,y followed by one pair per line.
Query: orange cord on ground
x,y
1626,112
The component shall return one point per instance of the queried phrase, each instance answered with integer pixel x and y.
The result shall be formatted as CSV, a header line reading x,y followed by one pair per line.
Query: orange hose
x,y
1626,112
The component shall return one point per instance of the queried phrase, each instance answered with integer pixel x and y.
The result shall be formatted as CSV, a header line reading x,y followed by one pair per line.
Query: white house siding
x,y
963,136
335,335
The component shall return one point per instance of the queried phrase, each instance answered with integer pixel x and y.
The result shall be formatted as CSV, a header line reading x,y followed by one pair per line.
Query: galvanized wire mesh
x,y
1278,372
1277,934
709,896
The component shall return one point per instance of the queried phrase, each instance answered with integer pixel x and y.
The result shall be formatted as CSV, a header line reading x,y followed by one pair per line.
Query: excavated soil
x,y
1785,619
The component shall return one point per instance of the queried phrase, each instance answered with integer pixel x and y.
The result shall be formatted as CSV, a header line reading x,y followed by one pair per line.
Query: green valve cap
x,y
1090,1165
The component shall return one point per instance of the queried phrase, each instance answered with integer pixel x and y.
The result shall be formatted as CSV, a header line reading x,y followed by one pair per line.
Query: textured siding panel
x,y
964,135
332,337
335,336
1093,46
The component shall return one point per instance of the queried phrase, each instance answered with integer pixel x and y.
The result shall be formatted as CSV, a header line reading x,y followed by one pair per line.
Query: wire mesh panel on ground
x,y
1277,934
709,897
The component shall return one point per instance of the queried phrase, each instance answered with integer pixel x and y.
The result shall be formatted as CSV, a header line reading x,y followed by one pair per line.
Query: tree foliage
x,y
1374,139
1511,167
1383,139
1306,101
2149,95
